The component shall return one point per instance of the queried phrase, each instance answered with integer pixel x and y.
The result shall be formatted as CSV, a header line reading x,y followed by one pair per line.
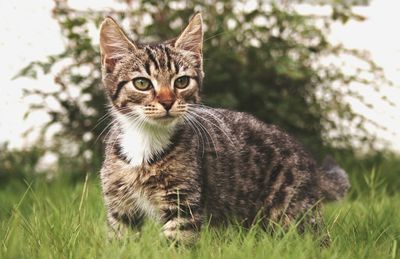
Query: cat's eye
x,y
142,83
182,82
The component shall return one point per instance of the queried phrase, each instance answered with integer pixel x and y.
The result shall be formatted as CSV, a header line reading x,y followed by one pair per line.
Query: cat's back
x,y
252,165
240,131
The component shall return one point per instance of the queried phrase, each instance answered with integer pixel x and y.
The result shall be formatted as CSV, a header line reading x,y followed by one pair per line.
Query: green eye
x,y
182,82
142,84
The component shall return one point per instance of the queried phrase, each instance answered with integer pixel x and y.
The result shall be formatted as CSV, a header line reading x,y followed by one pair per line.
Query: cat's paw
x,y
176,232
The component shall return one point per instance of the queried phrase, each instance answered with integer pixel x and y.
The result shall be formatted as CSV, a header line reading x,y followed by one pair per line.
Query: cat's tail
x,y
334,182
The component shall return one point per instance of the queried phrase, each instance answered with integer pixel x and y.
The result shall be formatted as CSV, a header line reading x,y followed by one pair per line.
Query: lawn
x,y
66,219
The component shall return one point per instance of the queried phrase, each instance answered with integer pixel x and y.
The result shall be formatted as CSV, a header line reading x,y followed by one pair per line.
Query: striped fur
x,y
174,160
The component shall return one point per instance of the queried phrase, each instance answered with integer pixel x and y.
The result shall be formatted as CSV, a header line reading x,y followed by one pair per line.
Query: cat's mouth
x,y
165,118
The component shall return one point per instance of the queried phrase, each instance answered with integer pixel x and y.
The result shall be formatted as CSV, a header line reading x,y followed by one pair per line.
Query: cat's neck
x,y
141,143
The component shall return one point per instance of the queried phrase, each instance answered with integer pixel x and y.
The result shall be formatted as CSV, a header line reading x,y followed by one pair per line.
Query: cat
x,y
170,158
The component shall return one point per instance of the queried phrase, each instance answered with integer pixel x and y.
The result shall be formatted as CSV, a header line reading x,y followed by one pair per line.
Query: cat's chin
x,y
166,120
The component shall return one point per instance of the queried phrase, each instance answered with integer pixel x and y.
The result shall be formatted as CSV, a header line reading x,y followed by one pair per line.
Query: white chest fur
x,y
140,143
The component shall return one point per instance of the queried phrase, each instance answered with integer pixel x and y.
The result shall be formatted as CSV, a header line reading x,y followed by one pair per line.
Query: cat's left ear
x,y
191,39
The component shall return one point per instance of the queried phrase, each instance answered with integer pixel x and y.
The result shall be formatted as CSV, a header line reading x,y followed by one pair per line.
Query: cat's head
x,y
153,82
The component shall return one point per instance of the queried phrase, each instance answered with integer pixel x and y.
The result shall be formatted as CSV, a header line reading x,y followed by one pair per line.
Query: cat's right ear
x,y
114,44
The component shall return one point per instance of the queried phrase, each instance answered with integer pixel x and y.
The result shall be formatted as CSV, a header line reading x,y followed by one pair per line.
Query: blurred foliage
x,y
265,59
18,164
33,164
347,2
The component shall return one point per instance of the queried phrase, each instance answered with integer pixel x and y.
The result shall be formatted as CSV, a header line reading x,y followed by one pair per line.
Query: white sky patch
x,y
378,34
28,33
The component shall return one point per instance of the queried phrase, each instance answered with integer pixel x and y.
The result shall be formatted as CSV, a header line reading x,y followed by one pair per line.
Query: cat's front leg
x,y
182,219
119,225
116,228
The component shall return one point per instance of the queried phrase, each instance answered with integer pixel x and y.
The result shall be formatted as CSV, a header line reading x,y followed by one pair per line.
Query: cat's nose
x,y
167,104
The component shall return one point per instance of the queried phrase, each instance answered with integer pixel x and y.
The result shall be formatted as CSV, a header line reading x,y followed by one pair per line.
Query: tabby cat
x,y
183,164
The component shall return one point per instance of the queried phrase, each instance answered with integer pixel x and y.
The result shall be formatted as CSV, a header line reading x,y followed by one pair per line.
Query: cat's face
x,y
154,83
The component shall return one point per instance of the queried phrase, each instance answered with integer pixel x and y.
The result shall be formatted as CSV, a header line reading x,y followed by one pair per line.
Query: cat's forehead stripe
x,y
152,58
168,57
147,68
161,57
176,66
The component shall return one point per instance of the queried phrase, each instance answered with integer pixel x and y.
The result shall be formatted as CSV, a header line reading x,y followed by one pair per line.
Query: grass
x,y
65,219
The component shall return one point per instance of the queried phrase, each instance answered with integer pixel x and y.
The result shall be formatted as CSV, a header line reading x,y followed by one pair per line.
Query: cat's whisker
x,y
198,110
195,131
215,125
112,130
117,137
216,35
107,128
198,129
210,111
228,136
101,119
200,133
198,122
205,108
104,117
